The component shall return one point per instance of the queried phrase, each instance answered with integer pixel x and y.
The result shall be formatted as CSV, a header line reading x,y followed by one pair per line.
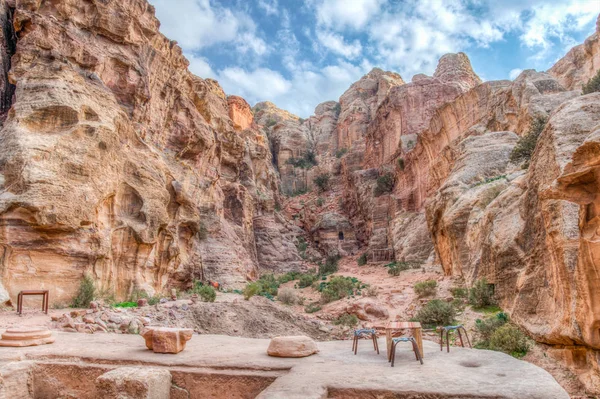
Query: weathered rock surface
x,y
295,346
165,339
368,309
115,160
135,383
580,64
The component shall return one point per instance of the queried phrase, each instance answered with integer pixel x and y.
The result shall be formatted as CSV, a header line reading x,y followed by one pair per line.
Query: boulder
x,y
368,309
294,346
165,339
134,383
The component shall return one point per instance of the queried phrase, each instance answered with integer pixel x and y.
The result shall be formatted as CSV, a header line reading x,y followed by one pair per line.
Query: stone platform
x,y
244,368
26,336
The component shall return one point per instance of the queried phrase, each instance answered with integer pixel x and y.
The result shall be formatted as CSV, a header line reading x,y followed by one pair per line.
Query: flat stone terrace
x,y
335,372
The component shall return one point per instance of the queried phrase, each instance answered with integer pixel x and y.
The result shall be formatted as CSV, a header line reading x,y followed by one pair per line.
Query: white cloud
x,y
260,83
514,73
339,14
338,45
556,19
298,62
199,66
269,7
197,24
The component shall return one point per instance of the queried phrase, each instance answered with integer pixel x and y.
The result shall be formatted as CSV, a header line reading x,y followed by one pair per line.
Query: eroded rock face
x,y
580,64
116,161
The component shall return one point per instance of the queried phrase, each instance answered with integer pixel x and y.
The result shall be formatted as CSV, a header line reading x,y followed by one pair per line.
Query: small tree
x,y
86,293
524,148
481,294
322,181
436,313
385,184
362,260
593,85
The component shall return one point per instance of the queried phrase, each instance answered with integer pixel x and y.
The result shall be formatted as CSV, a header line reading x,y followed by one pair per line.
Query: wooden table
x,y
403,325
44,294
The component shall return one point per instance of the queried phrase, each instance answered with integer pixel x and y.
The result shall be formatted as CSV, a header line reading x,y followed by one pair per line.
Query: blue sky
x,y
298,54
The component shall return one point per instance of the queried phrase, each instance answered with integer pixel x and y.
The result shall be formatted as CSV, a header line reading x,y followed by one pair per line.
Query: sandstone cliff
x,y
115,160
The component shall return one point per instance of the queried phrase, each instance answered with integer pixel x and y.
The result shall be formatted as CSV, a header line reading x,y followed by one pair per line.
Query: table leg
x,y
19,303
47,295
43,302
388,340
419,339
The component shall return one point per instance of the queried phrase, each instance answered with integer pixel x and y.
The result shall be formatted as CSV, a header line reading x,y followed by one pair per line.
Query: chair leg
x,y
460,337
442,339
447,342
467,337
376,343
418,352
415,349
355,344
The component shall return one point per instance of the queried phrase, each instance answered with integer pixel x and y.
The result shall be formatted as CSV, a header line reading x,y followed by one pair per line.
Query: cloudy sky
x,y
298,54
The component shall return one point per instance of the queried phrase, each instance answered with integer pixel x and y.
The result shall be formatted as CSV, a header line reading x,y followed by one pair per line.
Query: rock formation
x,y
116,161
580,64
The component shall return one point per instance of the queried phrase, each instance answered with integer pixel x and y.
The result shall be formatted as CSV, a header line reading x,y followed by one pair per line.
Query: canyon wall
x,y
117,161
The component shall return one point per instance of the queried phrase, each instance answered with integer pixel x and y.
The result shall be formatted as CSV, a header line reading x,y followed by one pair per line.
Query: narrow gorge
x,y
117,162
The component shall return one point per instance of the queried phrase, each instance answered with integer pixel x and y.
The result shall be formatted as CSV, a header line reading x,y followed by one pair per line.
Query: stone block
x,y
166,340
134,383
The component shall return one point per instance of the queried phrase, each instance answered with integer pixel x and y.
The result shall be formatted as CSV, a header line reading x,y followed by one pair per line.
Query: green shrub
x,y
385,185
526,144
339,287
125,305
593,85
86,293
341,152
289,276
485,328
306,280
322,181
268,285
330,266
251,289
481,294
271,122
401,163
320,201
346,319
301,246
306,161
312,308
287,296
395,268
459,292
206,293
511,340
362,260
436,313
425,288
